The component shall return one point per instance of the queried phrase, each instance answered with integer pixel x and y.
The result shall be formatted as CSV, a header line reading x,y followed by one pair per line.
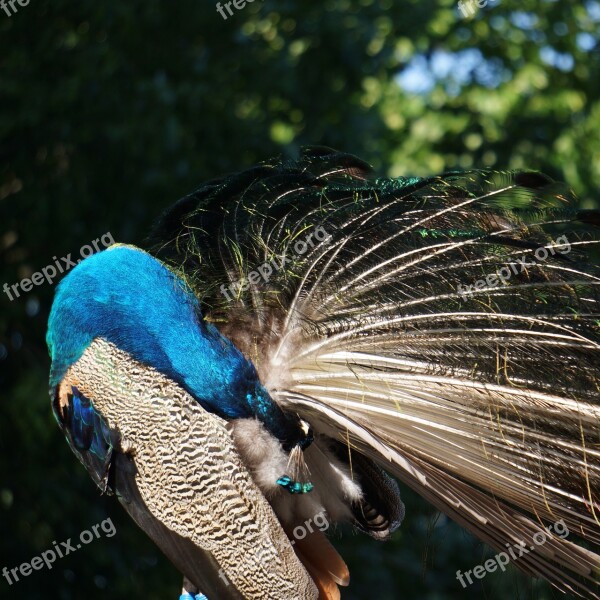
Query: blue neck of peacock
x,y
131,299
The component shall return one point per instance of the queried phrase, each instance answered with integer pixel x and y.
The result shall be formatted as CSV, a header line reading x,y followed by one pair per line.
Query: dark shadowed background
x,y
109,111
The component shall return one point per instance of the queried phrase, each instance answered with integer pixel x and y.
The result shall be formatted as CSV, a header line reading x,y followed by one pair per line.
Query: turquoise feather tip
x,y
294,487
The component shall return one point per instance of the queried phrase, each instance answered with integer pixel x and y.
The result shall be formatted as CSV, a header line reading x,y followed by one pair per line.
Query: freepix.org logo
x,y
514,552
48,557
4,4
502,276
266,269
50,272
265,555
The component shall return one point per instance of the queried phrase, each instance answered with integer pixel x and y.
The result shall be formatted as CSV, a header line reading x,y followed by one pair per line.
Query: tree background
x,y
110,111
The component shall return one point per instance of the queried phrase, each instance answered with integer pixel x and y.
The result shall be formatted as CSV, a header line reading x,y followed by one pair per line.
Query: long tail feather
x,y
447,327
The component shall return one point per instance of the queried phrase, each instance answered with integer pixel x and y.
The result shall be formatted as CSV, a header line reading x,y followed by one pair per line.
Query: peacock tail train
x,y
447,328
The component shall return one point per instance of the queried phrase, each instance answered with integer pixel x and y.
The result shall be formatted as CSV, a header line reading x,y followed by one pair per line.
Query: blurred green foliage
x,y
110,111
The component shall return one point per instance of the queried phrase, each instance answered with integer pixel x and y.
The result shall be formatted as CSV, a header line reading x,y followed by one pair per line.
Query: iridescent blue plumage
x,y
88,429
129,298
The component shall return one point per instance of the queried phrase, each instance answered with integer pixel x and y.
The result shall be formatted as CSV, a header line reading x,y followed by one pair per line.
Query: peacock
x,y
301,338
